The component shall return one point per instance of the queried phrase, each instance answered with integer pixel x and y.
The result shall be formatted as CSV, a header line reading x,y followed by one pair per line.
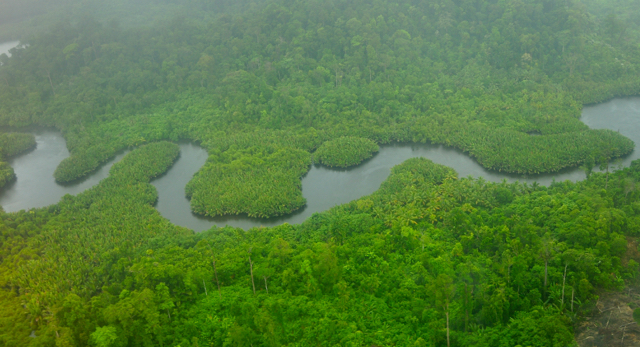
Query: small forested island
x,y
345,151
270,88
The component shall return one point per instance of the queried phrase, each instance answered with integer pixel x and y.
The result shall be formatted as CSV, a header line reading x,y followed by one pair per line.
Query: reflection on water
x,y
322,187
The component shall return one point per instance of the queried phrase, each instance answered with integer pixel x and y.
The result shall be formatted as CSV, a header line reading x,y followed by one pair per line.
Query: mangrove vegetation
x,y
345,151
267,87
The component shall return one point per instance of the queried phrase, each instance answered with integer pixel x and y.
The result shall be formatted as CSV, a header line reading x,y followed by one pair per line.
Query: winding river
x,y
321,186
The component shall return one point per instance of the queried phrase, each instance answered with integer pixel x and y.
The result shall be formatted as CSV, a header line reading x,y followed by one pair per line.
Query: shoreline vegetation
x,y
345,151
430,259
318,79
495,258
12,144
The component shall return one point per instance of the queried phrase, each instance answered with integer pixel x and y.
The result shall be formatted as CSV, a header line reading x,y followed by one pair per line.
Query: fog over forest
x,y
335,173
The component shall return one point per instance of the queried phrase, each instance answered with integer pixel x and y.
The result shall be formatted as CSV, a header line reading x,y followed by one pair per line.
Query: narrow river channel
x,y
322,187
325,187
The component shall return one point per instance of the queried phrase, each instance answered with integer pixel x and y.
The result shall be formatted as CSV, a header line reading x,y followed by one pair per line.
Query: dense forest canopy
x,y
477,75
266,87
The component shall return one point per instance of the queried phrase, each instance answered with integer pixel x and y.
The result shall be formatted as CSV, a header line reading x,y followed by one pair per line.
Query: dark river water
x,y
322,187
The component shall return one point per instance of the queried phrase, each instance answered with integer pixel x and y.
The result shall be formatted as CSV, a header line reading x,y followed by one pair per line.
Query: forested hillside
x,y
477,75
268,87
428,255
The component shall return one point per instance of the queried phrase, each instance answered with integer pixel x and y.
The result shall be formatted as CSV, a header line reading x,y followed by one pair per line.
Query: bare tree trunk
x,y
447,313
466,310
265,284
215,271
564,280
51,83
253,283
205,288
546,263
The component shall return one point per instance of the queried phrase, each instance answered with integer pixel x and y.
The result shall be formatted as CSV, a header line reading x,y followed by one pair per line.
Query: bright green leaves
x,y
258,181
82,163
541,327
85,161
389,269
507,150
146,162
345,151
104,337
418,172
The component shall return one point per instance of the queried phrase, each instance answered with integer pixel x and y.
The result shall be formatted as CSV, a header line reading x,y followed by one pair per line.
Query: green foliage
x,y
264,88
88,239
12,144
6,174
147,162
258,181
104,337
345,151
509,151
475,75
80,164
420,172
387,269
539,327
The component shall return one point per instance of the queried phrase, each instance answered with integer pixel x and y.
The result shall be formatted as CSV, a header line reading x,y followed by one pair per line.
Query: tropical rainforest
x,y
269,87
345,151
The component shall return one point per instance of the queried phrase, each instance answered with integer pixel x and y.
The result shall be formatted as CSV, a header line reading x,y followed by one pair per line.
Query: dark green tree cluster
x,y
54,258
257,181
428,260
12,144
478,75
345,151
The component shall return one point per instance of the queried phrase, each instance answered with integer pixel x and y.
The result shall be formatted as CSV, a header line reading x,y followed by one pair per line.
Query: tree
x,y
546,252
444,291
104,336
